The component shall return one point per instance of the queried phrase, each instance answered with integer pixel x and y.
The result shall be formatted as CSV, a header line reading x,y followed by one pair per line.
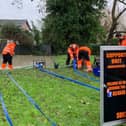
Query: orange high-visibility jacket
x,y
9,48
73,50
85,48
123,42
87,63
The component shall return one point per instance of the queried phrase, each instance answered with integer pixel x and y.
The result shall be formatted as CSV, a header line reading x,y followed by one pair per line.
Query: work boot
x,y
89,69
3,66
10,67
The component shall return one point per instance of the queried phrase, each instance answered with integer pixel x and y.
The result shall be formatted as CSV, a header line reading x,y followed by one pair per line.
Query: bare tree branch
x,y
113,9
122,1
119,32
115,19
120,14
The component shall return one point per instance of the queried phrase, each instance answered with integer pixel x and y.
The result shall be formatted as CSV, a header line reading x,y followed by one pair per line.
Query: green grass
x,y
66,103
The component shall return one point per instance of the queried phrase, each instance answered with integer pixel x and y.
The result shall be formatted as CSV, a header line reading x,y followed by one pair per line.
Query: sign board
x,y
113,85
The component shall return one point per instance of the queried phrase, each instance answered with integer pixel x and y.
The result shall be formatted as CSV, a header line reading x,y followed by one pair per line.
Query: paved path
x,y
27,60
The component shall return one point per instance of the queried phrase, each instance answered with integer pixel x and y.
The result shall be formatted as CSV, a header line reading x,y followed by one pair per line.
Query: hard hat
x,y
74,46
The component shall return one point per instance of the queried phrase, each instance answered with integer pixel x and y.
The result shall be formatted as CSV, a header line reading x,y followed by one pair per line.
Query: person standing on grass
x,y
7,54
72,53
84,58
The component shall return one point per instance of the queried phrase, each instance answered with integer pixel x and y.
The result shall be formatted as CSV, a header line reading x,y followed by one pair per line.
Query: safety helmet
x,y
73,46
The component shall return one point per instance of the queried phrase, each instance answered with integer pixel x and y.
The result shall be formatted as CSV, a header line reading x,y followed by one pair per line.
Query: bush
x,y
13,32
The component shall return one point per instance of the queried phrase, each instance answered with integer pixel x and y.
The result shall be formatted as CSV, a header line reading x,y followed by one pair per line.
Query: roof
x,y
17,22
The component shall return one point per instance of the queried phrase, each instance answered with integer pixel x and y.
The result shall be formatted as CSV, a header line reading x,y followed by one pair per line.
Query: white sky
x,y
29,11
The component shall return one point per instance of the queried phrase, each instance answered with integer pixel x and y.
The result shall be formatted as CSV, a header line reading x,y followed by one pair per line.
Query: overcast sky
x,y
29,11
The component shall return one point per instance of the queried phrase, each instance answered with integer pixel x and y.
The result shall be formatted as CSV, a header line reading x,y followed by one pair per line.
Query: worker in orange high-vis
x,y
121,39
8,53
72,53
84,58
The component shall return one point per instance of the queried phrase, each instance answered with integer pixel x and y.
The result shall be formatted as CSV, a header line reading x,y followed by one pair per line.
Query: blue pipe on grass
x,y
82,74
69,79
5,111
31,100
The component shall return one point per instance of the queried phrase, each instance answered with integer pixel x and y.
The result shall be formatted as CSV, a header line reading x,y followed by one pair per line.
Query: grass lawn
x,y
65,103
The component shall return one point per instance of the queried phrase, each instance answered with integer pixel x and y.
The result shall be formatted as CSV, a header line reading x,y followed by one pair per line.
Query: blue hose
x,y
83,74
5,111
69,79
31,100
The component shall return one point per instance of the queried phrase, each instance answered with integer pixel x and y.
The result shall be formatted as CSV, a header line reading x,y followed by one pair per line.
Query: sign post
x,y
113,85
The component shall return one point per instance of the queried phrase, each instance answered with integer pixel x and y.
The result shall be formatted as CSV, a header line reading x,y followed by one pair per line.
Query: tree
x,y
25,38
72,21
115,18
36,34
11,31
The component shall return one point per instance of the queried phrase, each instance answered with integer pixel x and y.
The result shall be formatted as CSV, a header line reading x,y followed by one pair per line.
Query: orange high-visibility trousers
x,y
10,67
84,58
86,62
79,63
88,65
3,66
